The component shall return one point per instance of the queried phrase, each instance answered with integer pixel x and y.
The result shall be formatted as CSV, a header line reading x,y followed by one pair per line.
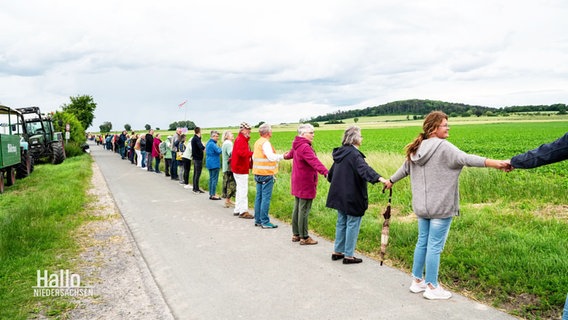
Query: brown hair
x,y
431,124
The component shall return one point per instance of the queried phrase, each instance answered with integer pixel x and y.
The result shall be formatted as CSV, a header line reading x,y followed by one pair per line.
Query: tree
x,y
182,124
83,107
148,127
259,124
127,127
76,130
355,119
105,127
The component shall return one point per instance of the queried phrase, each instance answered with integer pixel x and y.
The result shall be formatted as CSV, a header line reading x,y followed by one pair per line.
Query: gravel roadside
x,y
111,262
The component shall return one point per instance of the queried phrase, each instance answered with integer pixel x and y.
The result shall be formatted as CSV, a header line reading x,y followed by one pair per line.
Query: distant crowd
x,y
432,163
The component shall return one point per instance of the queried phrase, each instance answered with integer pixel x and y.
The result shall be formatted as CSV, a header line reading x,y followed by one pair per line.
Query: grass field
x,y
36,233
509,246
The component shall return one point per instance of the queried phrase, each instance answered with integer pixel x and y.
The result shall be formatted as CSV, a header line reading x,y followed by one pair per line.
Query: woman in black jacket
x,y
348,176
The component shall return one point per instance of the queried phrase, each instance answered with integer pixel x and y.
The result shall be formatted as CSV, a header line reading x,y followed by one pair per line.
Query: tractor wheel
x,y
25,167
10,176
57,153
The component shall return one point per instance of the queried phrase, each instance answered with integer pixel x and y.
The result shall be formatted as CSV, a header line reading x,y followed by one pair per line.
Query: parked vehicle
x,y
15,160
42,139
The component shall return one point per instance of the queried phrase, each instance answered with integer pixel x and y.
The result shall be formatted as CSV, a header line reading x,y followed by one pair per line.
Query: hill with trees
x,y
417,108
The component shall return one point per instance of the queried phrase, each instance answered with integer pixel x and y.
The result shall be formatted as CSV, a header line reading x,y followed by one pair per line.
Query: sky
x,y
277,61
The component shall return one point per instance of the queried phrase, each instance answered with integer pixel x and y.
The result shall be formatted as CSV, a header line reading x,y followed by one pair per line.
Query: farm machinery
x,y
43,141
15,160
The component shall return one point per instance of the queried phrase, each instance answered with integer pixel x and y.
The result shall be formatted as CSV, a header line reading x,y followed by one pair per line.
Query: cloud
x,y
278,62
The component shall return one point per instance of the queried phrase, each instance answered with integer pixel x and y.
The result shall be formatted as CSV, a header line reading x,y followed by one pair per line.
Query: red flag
x,y
181,104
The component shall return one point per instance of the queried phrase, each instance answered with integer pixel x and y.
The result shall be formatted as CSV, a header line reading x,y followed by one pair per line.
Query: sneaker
x,y
188,186
437,294
308,241
257,224
295,238
196,192
269,226
417,287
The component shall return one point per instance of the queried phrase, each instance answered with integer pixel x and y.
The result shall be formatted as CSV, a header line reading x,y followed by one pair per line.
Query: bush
x,y
73,149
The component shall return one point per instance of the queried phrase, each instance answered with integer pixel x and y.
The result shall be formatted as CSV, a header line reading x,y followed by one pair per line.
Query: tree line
x,y
417,108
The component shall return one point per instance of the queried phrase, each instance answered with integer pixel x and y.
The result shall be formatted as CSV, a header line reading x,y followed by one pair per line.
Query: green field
x,y
509,246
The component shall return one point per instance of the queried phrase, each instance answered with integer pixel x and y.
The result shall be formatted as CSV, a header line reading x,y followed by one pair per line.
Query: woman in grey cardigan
x,y
434,166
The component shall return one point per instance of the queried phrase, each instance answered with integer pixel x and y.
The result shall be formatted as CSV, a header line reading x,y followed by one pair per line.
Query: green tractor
x,y
15,160
43,141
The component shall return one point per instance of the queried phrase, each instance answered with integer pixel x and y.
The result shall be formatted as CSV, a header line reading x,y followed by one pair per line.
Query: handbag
x,y
179,155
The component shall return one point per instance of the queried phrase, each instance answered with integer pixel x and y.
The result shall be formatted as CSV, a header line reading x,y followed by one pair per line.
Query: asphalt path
x,y
209,264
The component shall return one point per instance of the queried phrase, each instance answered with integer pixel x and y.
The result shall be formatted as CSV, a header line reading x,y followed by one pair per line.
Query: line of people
x,y
432,162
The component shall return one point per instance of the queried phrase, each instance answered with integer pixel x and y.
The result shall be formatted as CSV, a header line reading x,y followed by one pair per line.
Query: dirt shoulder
x,y
111,262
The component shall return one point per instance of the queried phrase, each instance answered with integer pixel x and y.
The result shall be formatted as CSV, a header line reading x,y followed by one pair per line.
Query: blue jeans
x,y
346,233
264,185
213,179
143,153
432,235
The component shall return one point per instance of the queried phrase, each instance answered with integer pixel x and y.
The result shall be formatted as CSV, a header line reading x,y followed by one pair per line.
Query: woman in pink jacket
x,y
156,152
305,169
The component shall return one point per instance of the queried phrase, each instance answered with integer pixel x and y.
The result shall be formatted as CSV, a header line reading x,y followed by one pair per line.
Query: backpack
x,y
162,147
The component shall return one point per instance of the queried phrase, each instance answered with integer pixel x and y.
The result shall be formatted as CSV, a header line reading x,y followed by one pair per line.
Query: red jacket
x,y
240,159
305,168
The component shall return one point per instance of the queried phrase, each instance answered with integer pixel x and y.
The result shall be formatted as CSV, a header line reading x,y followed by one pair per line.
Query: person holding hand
x,y
434,165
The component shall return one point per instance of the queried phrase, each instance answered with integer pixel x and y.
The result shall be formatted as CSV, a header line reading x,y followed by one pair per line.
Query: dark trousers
x,y
149,162
167,169
174,170
186,168
197,167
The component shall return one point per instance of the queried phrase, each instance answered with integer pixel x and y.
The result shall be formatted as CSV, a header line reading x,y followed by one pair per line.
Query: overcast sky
x,y
278,61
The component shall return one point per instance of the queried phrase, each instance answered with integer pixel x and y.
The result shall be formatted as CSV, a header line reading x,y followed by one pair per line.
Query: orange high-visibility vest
x,y
261,165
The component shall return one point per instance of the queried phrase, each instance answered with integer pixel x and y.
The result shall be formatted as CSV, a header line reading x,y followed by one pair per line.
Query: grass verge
x,y
37,218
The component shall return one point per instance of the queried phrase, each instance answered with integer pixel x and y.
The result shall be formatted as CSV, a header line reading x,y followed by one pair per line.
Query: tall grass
x,y
37,217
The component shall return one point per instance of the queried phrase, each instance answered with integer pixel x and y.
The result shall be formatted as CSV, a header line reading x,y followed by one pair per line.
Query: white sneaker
x,y
417,287
437,294
188,186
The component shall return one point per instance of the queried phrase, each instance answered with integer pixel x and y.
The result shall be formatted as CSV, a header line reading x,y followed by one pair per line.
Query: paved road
x,y
211,265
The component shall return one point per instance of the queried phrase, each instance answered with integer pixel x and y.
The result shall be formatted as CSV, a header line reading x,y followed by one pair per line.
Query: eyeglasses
x,y
445,126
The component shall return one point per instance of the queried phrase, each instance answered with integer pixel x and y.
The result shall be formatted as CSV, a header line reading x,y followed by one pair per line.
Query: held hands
x,y
503,165
388,184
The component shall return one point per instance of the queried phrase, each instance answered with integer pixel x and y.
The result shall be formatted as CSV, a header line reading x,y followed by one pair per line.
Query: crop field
x,y
508,247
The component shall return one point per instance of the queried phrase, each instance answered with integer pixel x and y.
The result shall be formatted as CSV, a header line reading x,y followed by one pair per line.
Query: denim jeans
x,y
264,185
197,167
174,171
157,167
143,153
346,233
432,235
121,151
213,179
241,196
300,215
